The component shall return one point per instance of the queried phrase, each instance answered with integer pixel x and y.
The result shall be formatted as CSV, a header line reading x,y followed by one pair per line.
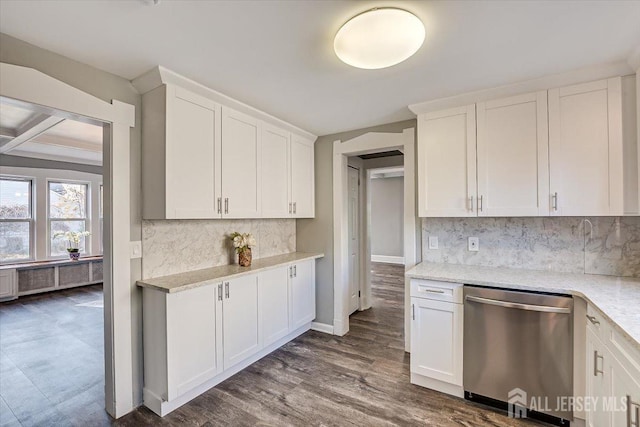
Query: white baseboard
x,y
388,259
322,327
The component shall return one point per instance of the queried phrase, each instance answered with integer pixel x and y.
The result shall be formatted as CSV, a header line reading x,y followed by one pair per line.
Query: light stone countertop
x,y
193,279
618,298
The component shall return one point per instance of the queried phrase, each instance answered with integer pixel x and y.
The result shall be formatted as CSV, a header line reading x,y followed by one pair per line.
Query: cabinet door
x,y
275,172
513,158
302,177
192,155
273,291
596,383
194,346
240,165
240,319
437,325
447,163
302,293
585,149
624,387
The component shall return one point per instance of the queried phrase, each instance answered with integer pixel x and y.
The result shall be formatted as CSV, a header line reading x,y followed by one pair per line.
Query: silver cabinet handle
x,y
226,205
554,201
295,208
413,311
433,291
528,307
220,292
226,289
480,203
219,205
295,271
630,405
593,320
596,356
290,272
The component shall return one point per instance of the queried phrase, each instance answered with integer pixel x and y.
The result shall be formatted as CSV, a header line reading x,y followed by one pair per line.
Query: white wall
x,y
387,217
40,177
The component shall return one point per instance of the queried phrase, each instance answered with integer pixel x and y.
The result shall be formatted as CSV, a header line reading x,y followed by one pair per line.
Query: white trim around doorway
x,y
368,143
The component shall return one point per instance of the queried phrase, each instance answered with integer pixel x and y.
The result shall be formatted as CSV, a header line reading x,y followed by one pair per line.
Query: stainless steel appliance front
x,y
519,340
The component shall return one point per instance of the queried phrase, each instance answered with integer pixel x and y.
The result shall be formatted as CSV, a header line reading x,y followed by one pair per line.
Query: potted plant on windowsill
x,y
73,239
243,244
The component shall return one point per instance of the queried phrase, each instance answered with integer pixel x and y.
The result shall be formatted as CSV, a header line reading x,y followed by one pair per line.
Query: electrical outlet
x,y
433,242
135,249
474,244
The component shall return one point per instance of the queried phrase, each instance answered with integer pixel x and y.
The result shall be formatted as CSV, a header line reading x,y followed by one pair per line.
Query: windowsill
x,y
49,262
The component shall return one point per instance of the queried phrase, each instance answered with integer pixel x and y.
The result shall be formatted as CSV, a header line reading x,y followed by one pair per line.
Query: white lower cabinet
x,y
8,284
240,319
437,336
613,376
196,338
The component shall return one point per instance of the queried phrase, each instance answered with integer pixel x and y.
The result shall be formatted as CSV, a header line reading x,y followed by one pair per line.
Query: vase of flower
x,y
73,239
243,244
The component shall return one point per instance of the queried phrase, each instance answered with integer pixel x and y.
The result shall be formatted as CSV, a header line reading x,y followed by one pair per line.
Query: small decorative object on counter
x,y
243,244
73,238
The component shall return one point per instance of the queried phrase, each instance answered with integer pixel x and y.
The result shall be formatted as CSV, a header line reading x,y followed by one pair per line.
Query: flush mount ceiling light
x,y
379,38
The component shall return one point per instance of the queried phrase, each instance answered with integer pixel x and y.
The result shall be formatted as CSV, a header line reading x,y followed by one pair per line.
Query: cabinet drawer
x,y
439,291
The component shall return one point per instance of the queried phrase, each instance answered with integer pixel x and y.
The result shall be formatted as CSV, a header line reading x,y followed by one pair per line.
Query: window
x,y
67,212
16,219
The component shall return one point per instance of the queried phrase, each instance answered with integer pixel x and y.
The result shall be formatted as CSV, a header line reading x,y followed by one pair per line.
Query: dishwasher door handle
x,y
519,306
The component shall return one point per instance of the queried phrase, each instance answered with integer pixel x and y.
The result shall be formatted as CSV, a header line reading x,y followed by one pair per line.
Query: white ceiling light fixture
x,y
379,38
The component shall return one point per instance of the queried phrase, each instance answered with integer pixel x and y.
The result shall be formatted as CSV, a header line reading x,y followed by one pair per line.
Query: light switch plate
x,y
433,242
474,244
135,249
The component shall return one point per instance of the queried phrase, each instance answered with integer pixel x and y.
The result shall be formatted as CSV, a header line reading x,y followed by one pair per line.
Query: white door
x,y
240,319
596,383
194,346
447,163
436,340
273,297
302,293
302,177
513,156
354,244
275,172
240,165
192,156
585,149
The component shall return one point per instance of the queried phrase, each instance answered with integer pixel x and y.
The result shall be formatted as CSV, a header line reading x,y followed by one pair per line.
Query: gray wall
x,y
28,162
387,218
105,86
317,234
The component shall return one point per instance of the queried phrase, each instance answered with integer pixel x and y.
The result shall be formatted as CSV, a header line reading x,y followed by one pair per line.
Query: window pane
x,y
14,241
14,199
67,200
59,245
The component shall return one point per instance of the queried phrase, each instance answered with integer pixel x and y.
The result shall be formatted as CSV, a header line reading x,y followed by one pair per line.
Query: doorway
x,y
26,85
367,144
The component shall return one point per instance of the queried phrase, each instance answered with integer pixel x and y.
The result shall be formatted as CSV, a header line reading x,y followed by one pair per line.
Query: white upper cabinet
x,y
180,154
447,163
302,177
513,159
585,149
275,172
241,152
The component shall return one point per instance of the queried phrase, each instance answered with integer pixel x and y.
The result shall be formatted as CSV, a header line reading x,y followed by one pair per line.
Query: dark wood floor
x,y
52,359
361,379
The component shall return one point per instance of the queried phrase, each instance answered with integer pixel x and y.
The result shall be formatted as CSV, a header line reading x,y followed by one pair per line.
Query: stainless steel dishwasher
x,y
519,340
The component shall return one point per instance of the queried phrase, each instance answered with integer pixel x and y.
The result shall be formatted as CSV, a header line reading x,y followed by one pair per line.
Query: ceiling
x,y
278,55
28,132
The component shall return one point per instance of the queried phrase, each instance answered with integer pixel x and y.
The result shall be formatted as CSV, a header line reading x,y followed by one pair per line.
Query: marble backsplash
x,y
177,246
594,245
